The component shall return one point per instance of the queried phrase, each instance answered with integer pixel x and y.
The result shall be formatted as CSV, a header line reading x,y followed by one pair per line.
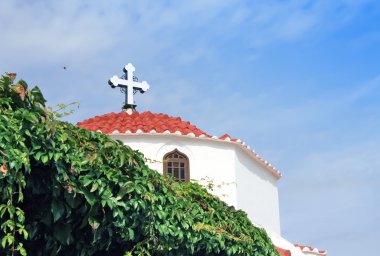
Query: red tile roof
x,y
305,248
147,122
283,252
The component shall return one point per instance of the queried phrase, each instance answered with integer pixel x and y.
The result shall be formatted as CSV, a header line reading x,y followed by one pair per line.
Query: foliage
x,y
68,191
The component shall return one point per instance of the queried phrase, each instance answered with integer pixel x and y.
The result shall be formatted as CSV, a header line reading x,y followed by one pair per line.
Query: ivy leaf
x,y
91,199
44,159
131,233
122,159
151,187
38,97
21,249
57,209
108,144
94,187
3,241
93,223
62,232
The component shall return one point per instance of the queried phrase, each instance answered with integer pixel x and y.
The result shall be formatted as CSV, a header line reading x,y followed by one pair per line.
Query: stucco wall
x,y
207,159
257,192
244,182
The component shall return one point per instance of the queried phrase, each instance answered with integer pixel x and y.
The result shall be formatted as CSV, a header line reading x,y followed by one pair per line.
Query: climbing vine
x,y
68,191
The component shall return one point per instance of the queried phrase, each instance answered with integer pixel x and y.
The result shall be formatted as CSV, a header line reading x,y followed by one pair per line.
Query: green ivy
x,y
68,191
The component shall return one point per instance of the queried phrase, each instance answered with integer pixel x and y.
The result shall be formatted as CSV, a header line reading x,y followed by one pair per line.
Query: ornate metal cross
x,y
129,85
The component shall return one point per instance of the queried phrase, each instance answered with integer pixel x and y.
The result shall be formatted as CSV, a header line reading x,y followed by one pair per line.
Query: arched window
x,y
177,165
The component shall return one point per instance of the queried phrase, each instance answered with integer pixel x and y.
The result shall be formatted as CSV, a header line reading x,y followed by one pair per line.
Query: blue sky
x,y
298,80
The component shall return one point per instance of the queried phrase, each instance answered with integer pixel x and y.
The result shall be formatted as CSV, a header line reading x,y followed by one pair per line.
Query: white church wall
x,y
210,160
257,191
244,182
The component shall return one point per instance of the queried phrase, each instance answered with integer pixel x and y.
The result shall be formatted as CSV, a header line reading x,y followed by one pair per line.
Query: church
x,y
237,174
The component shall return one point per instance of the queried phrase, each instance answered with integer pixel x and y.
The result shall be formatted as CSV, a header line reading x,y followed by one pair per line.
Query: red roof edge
x,y
306,248
283,252
223,137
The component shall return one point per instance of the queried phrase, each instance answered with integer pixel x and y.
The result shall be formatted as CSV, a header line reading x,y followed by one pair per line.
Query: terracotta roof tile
x,y
225,136
283,252
306,248
147,122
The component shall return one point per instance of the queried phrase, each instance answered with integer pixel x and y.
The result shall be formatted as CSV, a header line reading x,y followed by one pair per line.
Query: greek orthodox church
x,y
241,177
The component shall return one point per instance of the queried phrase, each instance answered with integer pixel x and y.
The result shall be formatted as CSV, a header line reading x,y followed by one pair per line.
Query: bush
x,y
68,191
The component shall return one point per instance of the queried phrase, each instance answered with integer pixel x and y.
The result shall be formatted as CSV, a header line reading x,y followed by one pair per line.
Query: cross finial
x,y
129,85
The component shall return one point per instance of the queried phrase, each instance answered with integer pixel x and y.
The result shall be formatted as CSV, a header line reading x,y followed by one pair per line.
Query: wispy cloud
x,y
48,32
42,32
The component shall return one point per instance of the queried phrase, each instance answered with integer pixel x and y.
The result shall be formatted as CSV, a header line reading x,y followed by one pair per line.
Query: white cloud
x,y
55,32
